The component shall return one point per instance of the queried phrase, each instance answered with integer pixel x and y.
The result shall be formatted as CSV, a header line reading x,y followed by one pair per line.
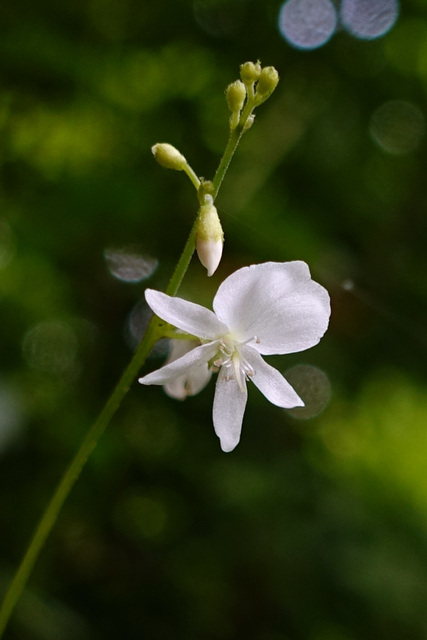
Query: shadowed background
x,y
315,527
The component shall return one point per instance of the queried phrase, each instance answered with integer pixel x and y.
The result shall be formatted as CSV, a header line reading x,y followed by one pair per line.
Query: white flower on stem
x,y
190,382
266,309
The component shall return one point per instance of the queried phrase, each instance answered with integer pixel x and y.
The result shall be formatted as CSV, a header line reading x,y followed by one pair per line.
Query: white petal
x,y
187,316
228,409
184,365
270,382
277,303
191,382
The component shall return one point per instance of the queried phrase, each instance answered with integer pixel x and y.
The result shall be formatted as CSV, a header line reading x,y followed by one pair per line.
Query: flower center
x,y
233,365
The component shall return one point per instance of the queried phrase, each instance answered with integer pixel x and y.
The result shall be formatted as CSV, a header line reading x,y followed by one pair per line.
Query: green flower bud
x,y
235,94
249,122
169,157
268,81
250,72
209,236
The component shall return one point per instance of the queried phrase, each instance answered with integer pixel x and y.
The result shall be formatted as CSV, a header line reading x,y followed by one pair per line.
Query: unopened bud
x,y
268,81
209,236
249,122
235,94
169,157
250,72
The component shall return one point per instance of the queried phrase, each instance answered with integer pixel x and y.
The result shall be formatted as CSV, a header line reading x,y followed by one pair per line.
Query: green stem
x,y
183,262
49,517
192,175
232,144
153,333
72,473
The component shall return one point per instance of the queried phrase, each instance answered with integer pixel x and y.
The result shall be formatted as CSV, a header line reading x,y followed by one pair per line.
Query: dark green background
x,y
311,529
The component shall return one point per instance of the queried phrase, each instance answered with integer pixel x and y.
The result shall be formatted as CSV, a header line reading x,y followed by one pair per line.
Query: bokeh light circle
x,y
313,387
397,126
129,265
307,24
369,19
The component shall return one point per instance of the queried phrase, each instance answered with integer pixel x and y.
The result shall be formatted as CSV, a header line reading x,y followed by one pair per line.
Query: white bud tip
x,y
210,253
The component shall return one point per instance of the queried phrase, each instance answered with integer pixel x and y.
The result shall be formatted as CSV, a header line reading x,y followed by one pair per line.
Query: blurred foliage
x,y
311,529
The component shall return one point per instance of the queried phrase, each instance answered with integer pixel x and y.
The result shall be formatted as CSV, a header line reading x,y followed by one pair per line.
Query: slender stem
x,y
192,175
183,263
70,476
231,147
232,144
49,517
155,330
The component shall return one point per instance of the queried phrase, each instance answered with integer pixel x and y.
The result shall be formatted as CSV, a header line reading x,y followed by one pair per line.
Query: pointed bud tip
x,y
210,253
209,235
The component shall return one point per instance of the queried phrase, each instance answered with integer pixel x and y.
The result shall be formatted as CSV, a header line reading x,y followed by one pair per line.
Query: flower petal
x,y
187,316
228,409
270,382
277,303
191,382
185,365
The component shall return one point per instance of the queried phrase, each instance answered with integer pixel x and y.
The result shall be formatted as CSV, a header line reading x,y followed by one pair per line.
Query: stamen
x,y
238,370
233,366
247,370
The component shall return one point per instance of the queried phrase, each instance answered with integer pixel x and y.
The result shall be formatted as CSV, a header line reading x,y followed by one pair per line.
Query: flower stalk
x,y
168,157
156,329
259,85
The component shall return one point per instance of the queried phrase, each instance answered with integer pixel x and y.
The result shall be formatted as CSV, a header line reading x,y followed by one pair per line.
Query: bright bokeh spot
x,y
129,265
397,126
369,19
307,24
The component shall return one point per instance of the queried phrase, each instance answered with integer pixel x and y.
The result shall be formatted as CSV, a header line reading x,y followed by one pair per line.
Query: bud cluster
x,y
256,85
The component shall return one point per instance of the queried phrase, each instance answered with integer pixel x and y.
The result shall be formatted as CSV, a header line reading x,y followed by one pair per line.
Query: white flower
x,y
264,309
190,382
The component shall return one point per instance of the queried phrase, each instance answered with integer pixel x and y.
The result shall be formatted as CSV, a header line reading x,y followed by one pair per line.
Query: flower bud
x,y
209,236
250,72
267,83
235,94
190,382
249,122
169,157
